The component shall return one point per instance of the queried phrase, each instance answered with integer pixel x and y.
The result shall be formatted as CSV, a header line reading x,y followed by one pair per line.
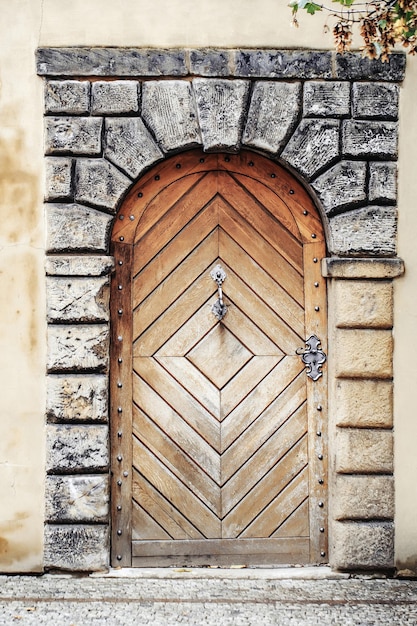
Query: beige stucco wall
x,y
26,24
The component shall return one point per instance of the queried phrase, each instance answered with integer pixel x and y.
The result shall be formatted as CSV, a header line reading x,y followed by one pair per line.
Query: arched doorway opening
x,y
219,445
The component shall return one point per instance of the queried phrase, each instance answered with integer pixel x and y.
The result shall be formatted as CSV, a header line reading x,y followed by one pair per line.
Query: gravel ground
x,y
193,598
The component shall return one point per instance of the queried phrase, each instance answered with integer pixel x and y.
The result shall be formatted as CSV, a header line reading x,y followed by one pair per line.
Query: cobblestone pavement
x,y
262,597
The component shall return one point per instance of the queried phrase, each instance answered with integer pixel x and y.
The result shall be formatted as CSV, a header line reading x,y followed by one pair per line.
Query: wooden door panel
x,y
223,419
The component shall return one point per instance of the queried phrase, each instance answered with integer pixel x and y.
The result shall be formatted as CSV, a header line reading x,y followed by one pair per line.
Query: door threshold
x,y
260,573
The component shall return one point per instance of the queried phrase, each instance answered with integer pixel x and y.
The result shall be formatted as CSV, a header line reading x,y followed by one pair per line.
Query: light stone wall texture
x,y
159,24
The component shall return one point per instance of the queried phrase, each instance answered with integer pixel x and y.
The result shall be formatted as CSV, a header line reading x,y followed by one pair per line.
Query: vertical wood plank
x,y
121,407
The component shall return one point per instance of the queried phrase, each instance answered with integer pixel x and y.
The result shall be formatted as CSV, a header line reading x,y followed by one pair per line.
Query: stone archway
x,y
332,121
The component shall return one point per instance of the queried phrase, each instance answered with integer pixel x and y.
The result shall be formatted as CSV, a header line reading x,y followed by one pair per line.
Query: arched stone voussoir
x,y
313,145
342,186
273,113
221,106
368,231
130,145
100,184
169,110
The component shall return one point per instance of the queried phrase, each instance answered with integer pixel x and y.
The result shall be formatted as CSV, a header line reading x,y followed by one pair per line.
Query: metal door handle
x,y
219,309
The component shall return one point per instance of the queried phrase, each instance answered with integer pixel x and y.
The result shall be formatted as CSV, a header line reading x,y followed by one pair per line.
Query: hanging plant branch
x,y
382,24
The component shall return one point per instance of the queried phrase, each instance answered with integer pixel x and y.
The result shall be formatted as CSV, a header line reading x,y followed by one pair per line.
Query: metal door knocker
x,y
219,309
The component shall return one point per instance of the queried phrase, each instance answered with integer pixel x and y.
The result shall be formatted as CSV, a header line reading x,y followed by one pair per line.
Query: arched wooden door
x,y
218,434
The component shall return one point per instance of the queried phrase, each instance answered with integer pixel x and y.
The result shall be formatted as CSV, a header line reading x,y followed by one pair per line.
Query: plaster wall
x,y
27,24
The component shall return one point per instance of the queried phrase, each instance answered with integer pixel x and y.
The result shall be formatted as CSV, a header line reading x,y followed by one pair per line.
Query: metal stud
x,y
321,529
120,311
121,217
131,217
313,236
120,360
227,159
315,260
251,163
119,409
157,177
119,532
317,308
121,238
119,482
322,554
119,287
202,160
305,212
120,458
273,175
120,262
119,557
125,474
318,433
120,385
119,338
316,284
321,504
140,194
119,434
292,191
321,481
178,166
319,407
119,508
320,457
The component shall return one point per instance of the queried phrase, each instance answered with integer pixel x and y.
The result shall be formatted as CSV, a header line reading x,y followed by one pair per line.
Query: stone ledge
x,y
215,62
362,545
349,268
76,547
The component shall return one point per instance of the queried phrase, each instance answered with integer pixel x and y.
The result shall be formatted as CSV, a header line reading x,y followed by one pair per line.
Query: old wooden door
x,y
218,434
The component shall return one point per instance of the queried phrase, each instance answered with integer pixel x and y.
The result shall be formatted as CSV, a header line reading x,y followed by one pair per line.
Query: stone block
x,y
130,146
282,64
77,398
110,62
375,100
342,186
273,114
362,268
221,106
82,265
78,348
58,177
77,547
72,227
362,545
209,62
369,139
76,448
363,304
364,451
363,403
370,230
99,183
327,99
115,97
363,353
73,135
363,497
67,96
354,66
169,110
77,499
314,145
383,182
77,299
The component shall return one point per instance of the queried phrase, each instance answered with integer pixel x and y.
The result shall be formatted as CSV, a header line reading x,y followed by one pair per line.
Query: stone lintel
x,y
272,63
352,268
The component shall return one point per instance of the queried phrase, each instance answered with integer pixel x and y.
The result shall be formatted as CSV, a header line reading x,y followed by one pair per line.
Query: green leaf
x,y
311,8
345,3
